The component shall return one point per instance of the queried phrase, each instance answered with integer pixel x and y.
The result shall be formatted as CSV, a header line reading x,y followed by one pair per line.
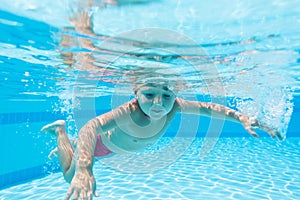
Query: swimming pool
x,y
244,54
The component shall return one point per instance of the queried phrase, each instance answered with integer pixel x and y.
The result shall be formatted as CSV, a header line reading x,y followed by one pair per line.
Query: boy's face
x,y
155,101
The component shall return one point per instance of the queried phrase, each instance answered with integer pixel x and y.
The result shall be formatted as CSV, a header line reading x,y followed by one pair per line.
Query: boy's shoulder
x,y
178,102
129,106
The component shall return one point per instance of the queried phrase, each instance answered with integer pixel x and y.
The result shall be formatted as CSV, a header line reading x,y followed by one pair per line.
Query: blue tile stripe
x,y
23,117
25,175
15,118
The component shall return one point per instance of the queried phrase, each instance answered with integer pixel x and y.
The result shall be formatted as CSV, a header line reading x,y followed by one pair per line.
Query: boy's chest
x,y
145,130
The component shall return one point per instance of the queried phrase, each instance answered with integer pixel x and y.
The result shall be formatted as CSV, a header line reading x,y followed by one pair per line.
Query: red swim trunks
x,y
101,149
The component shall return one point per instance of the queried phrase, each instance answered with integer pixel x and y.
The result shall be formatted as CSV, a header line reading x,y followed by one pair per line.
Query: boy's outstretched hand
x,y
250,124
83,185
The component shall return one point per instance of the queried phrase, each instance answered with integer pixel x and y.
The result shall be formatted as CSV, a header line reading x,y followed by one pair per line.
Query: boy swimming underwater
x,y
131,127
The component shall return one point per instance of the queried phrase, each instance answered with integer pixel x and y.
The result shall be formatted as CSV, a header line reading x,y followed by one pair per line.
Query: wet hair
x,y
163,85
171,82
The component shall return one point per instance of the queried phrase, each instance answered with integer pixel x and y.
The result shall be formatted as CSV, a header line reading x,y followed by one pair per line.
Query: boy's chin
x,y
157,117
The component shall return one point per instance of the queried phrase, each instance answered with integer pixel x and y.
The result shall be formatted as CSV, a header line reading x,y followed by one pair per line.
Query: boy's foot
x,y
54,127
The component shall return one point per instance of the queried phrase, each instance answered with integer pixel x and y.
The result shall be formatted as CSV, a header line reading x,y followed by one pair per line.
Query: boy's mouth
x,y
157,111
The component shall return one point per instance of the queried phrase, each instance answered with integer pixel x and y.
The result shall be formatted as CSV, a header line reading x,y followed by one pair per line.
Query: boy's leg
x,y
65,149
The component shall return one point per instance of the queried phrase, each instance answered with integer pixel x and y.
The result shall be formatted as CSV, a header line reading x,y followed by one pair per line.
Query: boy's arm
x,y
208,109
223,112
88,136
83,184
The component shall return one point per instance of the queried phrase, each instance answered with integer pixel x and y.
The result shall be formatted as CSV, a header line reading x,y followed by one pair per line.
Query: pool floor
x,y
237,168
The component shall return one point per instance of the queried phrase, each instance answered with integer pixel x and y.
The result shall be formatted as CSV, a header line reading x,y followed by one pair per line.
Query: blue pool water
x,y
234,170
245,55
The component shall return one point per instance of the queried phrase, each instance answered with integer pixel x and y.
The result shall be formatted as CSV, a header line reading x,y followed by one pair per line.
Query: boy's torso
x,y
134,136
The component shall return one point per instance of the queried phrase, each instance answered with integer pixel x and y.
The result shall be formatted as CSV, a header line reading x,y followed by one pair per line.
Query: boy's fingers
x,y
94,190
279,136
83,194
96,194
254,123
94,187
69,193
252,132
75,195
273,134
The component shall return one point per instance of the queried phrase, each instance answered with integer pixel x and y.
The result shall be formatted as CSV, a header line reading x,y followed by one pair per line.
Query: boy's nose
x,y
157,100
